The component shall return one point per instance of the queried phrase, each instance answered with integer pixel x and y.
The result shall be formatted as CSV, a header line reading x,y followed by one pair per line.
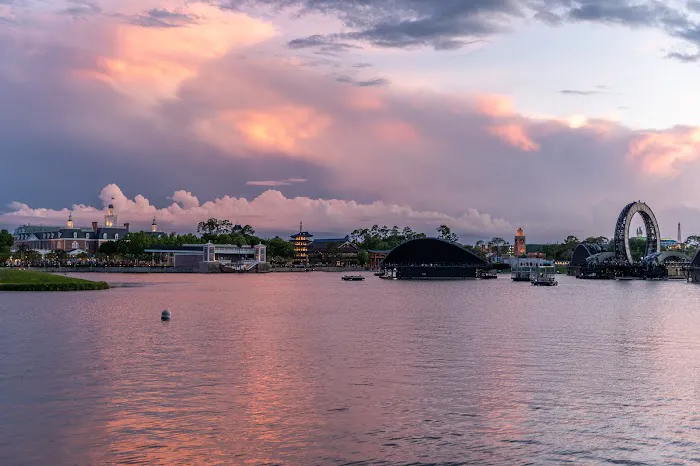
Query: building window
x,y
104,235
116,236
75,245
75,234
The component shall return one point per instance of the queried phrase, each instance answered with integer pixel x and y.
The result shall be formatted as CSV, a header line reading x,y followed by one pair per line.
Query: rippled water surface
x,y
302,368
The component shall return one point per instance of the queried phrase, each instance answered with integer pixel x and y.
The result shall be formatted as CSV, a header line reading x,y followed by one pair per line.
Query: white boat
x,y
543,275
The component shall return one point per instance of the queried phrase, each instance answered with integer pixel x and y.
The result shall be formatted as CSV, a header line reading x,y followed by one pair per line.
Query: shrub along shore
x,y
29,280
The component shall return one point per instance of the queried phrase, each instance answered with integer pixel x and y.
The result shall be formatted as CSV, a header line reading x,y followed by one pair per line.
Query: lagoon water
x,y
302,368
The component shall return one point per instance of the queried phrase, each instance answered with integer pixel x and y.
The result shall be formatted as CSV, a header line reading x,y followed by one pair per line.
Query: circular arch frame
x,y
622,231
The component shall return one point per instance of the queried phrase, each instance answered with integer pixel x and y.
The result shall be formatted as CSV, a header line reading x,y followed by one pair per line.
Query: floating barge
x,y
543,275
353,278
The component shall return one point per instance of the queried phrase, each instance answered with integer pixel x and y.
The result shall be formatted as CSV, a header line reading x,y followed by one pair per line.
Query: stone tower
x,y
519,248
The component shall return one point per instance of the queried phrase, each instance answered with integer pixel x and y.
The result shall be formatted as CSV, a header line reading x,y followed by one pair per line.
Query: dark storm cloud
x,y
450,24
162,18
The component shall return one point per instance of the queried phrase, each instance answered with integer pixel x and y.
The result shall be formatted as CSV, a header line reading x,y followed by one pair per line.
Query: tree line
x,y
133,245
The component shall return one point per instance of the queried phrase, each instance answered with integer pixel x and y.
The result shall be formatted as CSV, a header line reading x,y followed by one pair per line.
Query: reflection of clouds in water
x,y
305,369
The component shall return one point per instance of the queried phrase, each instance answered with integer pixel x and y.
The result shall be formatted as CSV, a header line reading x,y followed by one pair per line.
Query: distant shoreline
x,y
181,270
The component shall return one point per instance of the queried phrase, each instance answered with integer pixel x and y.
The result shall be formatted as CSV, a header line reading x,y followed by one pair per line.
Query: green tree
x,y
363,258
211,226
6,240
475,250
600,240
693,240
446,234
109,249
32,256
638,248
61,256
382,238
279,249
497,243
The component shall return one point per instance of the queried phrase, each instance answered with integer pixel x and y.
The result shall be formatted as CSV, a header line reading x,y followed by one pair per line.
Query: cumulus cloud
x,y
271,211
205,109
661,152
515,135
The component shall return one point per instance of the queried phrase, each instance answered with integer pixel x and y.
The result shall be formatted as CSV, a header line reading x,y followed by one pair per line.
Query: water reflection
x,y
306,369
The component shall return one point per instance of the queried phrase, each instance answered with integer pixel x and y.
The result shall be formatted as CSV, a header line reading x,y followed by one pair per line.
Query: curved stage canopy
x,y
429,251
660,258
583,251
432,258
621,241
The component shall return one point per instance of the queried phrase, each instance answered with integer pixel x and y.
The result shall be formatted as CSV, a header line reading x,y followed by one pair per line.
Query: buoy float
x,y
165,315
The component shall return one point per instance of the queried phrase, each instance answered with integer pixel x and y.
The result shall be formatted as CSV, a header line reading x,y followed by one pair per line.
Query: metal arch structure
x,y
621,241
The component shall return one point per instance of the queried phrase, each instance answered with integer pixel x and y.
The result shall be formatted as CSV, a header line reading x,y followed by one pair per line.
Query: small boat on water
x,y
353,278
489,274
543,275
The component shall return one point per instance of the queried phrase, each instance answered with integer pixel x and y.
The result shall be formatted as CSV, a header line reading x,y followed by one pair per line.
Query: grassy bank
x,y
28,280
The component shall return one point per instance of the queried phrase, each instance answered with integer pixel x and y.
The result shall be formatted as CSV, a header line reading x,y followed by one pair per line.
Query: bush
x,y
78,286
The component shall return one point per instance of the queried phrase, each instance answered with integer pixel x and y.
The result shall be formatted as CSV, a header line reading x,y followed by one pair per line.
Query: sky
x,y
485,115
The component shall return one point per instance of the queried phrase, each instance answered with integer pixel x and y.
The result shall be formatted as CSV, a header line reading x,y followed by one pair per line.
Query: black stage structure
x,y
431,259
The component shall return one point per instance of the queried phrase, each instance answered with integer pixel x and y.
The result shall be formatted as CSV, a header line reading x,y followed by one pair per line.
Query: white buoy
x,y
165,315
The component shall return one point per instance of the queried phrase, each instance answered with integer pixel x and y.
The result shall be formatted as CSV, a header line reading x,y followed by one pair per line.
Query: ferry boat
x,y
523,268
543,275
353,278
521,273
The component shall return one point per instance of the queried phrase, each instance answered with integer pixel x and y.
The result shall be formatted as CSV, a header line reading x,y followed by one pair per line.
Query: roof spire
x,y
301,227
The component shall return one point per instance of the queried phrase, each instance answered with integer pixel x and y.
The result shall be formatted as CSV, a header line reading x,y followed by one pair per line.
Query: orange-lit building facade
x,y
519,245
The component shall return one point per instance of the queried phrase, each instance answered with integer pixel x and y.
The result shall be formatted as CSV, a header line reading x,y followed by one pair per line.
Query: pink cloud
x,y
285,128
496,106
211,108
269,211
661,152
515,135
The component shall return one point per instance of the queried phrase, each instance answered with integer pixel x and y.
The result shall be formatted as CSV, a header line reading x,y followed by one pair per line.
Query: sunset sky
x,y
482,114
